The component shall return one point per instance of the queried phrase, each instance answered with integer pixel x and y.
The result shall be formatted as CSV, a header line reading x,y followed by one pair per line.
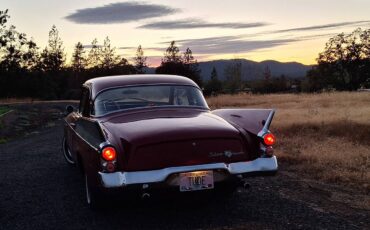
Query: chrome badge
x,y
226,153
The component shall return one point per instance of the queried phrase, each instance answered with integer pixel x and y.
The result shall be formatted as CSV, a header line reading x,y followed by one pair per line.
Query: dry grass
x,y
321,136
12,100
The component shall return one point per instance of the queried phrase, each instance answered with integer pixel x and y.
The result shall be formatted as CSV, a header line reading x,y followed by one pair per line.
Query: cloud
x,y
198,23
119,12
230,44
127,47
324,26
316,36
90,46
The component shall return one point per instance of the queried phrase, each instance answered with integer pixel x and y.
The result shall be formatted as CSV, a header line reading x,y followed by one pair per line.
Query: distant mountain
x,y
252,70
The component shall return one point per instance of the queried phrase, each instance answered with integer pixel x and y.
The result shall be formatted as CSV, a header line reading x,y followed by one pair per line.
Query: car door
x,y
82,110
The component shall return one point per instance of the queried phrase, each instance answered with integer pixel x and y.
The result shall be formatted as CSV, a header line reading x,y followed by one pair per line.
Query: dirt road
x,y
38,190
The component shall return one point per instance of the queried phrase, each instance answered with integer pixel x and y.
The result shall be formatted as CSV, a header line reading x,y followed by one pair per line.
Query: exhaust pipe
x,y
246,185
145,196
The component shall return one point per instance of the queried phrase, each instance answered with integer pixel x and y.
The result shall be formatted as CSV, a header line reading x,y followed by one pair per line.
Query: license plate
x,y
199,180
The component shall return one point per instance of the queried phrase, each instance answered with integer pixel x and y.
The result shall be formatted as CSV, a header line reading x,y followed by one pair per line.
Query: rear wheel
x,y
67,152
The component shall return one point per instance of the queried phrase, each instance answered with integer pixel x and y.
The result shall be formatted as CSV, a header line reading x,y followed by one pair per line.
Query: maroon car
x,y
156,131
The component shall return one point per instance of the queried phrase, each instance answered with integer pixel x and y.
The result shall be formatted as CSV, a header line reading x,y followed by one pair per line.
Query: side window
x,y
84,102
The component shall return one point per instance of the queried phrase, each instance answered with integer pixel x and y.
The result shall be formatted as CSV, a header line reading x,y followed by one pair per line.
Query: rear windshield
x,y
147,96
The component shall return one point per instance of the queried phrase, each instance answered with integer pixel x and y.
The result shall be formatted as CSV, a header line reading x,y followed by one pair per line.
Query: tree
x,y
31,56
3,20
53,56
108,55
188,58
233,74
214,85
78,58
172,54
140,60
17,53
192,70
12,51
344,63
173,63
94,56
267,74
18,58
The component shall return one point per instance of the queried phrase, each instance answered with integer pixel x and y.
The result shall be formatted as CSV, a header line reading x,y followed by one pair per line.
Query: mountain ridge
x,y
251,70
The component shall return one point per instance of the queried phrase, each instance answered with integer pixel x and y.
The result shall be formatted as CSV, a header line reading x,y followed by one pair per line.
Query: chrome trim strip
x,y
143,84
120,179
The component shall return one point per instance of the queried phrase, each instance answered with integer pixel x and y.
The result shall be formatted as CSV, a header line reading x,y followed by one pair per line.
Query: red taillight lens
x,y
109,153
269,139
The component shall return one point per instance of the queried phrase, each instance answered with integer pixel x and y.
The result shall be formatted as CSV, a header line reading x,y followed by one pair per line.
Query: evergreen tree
x,y
172,54
233,74
173,63
140,60
188,58
108,55
94,56
78,58
192,70
214,85
267,74
53,57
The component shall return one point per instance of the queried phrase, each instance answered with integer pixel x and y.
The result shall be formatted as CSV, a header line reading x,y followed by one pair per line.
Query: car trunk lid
x,y
159,139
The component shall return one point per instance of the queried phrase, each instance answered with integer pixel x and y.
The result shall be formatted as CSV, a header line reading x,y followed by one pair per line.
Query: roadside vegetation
x,y
320,136
30,71
3,110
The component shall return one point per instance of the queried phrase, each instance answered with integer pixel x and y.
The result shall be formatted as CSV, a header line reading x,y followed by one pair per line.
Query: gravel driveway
x,y
38,190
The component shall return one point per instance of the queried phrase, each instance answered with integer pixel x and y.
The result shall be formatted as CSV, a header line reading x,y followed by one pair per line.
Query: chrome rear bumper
x,y
120,179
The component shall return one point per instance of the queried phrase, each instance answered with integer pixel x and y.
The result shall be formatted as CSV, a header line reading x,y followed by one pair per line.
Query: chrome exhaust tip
x,y
246,185
145,196
243,184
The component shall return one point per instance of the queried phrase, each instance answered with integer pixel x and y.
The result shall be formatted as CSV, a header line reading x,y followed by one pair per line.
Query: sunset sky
x,y
283,30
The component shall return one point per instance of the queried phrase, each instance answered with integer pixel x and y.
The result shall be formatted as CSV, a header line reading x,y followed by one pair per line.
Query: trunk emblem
x,y
226,153
194,144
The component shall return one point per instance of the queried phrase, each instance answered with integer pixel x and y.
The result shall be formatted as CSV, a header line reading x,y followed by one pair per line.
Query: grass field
x,y
320,136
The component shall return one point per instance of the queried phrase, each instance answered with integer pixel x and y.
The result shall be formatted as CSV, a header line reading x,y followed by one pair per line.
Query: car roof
x,y
101,83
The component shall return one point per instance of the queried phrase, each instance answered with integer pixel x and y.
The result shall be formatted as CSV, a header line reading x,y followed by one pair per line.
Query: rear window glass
x,y
147,96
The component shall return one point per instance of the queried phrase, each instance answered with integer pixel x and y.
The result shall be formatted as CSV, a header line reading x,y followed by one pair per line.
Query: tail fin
x,y
256,121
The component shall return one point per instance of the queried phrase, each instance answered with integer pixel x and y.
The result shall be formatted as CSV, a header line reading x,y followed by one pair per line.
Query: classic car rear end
x,y
146,131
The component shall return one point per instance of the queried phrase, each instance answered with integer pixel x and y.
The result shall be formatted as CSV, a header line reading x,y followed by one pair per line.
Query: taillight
x,y
109,154
269,139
